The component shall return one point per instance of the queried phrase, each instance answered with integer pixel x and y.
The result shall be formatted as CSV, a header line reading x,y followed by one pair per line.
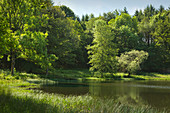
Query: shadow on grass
x,y
117,78
134,77
141,76
67,74
147,74
138,78
150,74
12,104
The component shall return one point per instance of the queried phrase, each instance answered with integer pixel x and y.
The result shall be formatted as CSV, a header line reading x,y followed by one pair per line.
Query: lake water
x,y
152,93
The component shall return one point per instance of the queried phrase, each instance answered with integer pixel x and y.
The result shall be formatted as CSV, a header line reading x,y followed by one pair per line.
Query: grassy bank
x,y
16,97
83,74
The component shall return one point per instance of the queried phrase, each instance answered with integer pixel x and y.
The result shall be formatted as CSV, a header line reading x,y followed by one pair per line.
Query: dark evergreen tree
x,y
68,12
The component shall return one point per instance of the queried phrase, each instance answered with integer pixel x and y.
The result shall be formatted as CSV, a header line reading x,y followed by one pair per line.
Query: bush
x,y
130,61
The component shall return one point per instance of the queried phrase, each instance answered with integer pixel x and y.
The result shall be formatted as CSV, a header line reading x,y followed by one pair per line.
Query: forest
x,y
36,37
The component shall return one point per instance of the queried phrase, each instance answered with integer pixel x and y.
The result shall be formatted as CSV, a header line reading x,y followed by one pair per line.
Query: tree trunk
x,y
12,64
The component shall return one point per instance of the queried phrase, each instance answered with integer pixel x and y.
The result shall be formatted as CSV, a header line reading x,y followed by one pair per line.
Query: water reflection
x,y
66,88
153,93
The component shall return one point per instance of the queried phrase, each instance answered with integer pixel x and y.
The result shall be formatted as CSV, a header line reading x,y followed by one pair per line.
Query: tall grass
x,y
18,100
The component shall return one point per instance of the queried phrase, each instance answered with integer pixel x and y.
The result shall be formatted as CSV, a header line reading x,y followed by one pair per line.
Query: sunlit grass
x,y
86,74
80,75
5,74
152,76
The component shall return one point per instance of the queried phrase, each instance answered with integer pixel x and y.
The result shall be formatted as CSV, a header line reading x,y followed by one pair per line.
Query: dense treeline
x,y
36,34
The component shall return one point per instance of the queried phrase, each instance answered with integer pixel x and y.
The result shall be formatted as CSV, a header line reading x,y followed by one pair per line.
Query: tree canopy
x,y
103,51
36,31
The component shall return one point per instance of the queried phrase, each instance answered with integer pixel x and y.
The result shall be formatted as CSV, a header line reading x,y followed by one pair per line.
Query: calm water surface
x,y
153,93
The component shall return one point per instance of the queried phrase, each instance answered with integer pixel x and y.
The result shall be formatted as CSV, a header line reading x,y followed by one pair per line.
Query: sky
x,y
82,7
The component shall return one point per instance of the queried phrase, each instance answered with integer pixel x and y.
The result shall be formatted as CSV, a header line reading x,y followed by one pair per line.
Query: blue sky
x,y
97,7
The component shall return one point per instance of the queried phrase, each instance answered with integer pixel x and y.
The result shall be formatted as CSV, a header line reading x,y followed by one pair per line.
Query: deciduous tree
x,y
130,61
103,51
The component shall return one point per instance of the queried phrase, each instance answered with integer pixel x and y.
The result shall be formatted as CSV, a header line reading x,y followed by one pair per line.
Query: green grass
x,y
86,74
74,73
152,76
7,75
82,74
20,100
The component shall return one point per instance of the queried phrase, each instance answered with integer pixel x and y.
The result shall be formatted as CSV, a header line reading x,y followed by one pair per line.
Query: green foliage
x,y
149,11
162,30
103,52
125,29
131,61
34,46
108,16
3,34
146,27
139,15
55,12
21,41
155,32
161,36
68,12
64,40
24,25
124,19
